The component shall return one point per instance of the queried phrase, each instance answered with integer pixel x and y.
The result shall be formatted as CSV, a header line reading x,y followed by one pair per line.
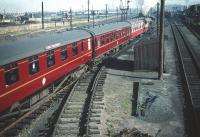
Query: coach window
x,y
82,46
107,38
102,40
115,36
98,43
74,49
50,58
33,65
12,75
63,53
112,37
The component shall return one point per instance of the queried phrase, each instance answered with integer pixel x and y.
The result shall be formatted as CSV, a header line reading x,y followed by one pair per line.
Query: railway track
x,y
96,105
80,114
190,73
194,30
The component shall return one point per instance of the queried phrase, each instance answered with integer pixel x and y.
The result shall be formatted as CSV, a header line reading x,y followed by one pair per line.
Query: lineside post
x,y
161,40
106,12
88,11
157,19
42,16
70,19
117,14
93,17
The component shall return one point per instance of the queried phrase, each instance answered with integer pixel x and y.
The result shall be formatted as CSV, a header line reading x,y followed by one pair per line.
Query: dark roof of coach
x,y
100,29
26,46
22,47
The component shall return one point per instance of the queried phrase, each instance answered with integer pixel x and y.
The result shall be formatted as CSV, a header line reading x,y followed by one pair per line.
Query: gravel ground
x,y
41,122
163,116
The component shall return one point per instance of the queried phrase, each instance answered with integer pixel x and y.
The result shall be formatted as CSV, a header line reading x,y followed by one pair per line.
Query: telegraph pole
x,y
161,40
42,16
157,19
70,18
88,11
92,16
121,15
106,11
124,10
117,14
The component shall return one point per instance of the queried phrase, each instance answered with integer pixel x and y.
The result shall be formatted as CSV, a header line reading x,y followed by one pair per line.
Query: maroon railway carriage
x,y
138,26
31,63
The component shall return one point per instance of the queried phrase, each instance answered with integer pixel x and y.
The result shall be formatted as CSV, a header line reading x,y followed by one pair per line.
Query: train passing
x,y
32,63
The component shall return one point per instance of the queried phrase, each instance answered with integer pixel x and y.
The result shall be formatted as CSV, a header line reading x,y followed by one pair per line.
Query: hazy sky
x,y
56,5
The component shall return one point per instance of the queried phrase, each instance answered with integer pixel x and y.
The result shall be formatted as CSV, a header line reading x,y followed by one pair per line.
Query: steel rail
x,y
190,72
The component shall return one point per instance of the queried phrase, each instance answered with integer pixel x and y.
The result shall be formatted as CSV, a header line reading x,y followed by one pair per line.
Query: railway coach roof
x,y
22,47
108,27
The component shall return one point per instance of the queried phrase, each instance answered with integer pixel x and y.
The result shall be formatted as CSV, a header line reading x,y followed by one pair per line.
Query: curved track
x,y
96,105
191,76
82,106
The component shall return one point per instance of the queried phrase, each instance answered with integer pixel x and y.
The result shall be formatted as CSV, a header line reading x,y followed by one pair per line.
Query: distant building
x,y
22,19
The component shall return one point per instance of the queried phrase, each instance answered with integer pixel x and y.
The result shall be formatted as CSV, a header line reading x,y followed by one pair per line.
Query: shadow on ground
x,y
118,64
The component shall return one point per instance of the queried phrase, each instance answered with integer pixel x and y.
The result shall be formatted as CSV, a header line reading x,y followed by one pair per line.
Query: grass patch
x,y
125,103
110,127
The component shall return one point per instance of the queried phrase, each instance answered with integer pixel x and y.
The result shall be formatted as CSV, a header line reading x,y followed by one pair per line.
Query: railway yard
x,y
90,81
